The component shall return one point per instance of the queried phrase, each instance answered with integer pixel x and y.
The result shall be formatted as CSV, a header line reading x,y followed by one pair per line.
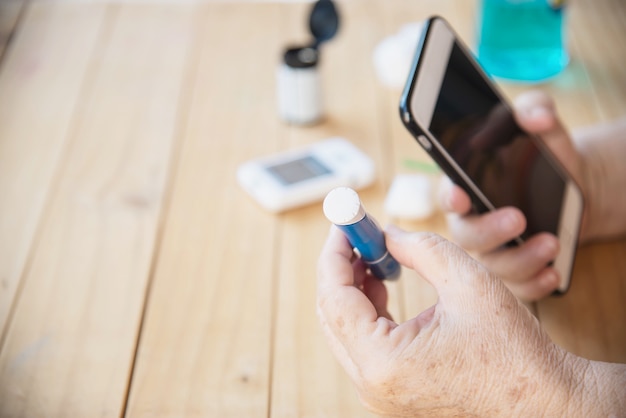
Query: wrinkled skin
x,y
478,351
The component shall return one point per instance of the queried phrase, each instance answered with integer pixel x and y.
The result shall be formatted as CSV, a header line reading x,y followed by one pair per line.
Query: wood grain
x,y
205,348
306,381
72,337
40,83
136,277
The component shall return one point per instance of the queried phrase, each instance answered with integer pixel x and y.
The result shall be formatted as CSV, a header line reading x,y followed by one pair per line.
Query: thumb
x,y
536,113
458,279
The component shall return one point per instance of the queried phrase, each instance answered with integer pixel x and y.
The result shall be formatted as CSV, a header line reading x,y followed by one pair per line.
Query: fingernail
x,y
539,112
509,222
549,247
550,281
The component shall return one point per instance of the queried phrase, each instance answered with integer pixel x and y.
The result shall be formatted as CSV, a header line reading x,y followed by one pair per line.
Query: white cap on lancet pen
x,y
342,206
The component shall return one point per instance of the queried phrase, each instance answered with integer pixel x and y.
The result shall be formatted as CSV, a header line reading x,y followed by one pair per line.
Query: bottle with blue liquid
x,y
522,40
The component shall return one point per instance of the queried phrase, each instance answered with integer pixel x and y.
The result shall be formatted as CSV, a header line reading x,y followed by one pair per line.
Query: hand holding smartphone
x,y
456,113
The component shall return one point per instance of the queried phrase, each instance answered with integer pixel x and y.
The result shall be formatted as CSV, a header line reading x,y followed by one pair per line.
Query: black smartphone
x,y
457,114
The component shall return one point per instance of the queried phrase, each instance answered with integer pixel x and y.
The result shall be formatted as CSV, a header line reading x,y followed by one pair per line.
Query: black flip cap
x,y
324,24
324,21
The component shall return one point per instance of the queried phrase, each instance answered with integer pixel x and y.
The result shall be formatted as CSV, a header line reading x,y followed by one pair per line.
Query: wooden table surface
x,y
137,279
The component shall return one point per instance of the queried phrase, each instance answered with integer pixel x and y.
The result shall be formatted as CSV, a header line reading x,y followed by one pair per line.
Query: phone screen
x,y
298,170
481,135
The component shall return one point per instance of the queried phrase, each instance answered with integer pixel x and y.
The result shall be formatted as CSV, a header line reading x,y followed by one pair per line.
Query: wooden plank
x,y
40,81
307,379
598,30
70,344
205,349
598,290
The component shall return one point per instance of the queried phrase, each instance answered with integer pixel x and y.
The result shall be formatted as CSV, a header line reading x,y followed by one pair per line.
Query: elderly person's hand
x,y
477,352
592,157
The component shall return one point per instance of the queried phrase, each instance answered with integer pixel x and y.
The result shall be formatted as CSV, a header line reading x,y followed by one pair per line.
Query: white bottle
x,y
298,86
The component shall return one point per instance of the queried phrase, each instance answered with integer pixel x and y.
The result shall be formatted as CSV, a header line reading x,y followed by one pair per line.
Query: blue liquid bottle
x,y
522,40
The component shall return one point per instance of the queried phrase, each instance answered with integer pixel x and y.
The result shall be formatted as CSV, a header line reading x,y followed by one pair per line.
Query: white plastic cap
x,y
342,206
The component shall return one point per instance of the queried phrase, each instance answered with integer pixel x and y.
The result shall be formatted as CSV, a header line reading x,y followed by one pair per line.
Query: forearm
x,y
599,390
603,149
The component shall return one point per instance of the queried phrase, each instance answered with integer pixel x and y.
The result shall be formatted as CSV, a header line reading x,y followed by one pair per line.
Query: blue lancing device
x,y
343,208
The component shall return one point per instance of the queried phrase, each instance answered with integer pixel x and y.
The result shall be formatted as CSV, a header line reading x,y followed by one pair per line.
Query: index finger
x,y
347,316
345,309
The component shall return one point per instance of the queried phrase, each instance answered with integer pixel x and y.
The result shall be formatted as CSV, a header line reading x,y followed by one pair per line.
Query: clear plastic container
x,y
522,40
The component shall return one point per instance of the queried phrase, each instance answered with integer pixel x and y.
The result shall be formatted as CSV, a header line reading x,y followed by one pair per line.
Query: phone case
x,y
412,126
416,131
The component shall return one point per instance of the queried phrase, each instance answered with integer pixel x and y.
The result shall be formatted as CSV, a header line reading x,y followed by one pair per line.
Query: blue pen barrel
x,y
387,268
367,238
343,207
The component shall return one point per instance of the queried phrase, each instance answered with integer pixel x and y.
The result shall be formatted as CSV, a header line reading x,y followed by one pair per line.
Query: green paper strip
x,y
422,166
